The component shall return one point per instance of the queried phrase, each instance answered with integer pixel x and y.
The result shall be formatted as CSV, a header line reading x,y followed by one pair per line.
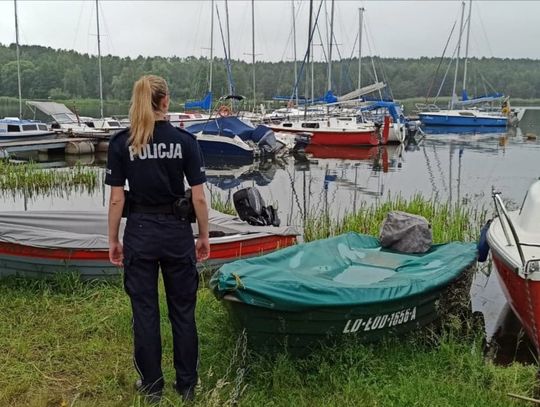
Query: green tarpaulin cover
x,y
349,269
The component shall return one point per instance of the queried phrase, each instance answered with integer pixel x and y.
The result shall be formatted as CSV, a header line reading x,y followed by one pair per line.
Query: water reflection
x,y
259,172
506,340
444,130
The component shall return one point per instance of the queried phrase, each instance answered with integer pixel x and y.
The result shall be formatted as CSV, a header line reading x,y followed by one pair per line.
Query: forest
x,y
48,73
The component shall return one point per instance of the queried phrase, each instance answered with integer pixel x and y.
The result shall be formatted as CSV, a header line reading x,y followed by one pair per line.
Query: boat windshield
x,y
65,118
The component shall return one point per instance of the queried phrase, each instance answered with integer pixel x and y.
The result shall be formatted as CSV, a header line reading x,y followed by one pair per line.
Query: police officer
x,y
153,156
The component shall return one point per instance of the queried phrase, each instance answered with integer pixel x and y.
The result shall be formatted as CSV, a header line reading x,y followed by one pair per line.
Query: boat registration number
x,y
380,321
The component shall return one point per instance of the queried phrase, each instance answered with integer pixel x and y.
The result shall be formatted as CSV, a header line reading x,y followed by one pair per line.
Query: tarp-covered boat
x,y
43,243
338,287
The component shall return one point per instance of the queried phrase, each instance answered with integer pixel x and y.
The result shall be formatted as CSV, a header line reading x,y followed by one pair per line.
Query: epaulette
x,y
186,132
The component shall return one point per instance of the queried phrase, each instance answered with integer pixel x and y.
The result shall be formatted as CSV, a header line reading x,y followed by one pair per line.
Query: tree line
x,y
48,73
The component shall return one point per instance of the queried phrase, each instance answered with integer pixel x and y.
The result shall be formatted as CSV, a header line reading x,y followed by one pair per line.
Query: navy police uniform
x,y
157,238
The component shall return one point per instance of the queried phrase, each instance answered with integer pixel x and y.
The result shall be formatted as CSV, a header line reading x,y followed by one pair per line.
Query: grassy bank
x,y
68,343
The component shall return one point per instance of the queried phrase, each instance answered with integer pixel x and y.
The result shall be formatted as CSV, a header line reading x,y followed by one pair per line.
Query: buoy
x,y
80,147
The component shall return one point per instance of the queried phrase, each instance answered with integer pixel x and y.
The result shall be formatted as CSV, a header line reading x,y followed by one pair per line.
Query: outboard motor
x,y
266,139
250,208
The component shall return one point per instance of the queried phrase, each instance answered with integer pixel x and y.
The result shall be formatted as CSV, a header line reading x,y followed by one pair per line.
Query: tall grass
x,y
68,343
449,222
30,179
220,204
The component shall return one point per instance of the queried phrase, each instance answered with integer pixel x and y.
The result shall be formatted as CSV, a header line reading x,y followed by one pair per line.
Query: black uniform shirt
x,y
156,176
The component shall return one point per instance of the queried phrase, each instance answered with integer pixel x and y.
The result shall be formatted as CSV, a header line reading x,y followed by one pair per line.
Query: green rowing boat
x,y
344,286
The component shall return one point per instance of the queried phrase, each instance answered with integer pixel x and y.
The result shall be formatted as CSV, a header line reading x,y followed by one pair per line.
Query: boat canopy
x,y
50,108
347,270
231,126
393,108
88,229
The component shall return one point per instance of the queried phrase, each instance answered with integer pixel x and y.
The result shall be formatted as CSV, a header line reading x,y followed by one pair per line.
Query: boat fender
x,y
483,246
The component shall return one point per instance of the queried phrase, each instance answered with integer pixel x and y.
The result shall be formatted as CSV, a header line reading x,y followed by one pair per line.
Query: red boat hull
x,y
334,138
523,297
337,138
37,261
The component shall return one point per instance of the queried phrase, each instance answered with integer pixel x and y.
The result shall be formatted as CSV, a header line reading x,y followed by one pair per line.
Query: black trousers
x,y
153,241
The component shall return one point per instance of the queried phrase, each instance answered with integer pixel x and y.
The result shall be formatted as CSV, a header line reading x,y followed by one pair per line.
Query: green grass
x,y
65,342
68,343
222,205
30,179
448,222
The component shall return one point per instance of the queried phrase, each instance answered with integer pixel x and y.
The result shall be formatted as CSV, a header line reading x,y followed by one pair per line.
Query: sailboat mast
x,y
253,49
211,48
457,57
294,53
99,62
308,50
329,86
360,23
228,41
464,91
18,58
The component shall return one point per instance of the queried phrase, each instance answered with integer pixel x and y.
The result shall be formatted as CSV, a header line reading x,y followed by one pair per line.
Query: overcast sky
x,y
182,28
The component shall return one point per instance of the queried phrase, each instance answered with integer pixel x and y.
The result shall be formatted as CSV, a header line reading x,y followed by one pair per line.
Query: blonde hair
x,y
148,92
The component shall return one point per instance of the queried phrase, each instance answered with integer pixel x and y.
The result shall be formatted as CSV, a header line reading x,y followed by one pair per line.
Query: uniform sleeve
x,y
194,164
115,174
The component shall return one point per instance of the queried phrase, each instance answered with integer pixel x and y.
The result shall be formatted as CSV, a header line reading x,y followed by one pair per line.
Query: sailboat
x,y
15,128
334,126
464,116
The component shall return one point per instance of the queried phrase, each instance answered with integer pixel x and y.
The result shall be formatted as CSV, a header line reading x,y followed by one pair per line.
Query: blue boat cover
x,y
347,270
230,126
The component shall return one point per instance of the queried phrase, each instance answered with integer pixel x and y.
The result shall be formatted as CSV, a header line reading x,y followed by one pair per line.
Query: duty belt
x,y
163,208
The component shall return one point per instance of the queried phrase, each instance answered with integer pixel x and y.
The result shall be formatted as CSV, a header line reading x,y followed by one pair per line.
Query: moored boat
x,y
335,131
514,240
230,136
462,117
12,128
345,286
44,243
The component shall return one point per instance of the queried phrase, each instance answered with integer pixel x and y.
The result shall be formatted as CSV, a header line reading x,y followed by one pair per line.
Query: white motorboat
x,y
13,128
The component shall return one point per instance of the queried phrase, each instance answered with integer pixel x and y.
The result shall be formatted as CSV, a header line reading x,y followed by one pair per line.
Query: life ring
x,y
224,111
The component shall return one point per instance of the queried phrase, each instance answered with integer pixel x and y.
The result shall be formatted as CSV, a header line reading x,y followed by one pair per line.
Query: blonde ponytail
x,y
145,100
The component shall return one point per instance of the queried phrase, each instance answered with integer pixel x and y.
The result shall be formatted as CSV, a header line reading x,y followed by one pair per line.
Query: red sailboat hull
x,y
522,295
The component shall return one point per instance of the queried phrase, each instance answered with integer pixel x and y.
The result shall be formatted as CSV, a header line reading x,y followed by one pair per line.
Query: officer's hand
x,y
202,248
116,254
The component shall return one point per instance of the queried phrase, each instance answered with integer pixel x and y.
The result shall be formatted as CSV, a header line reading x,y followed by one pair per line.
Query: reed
x,y
220,204
31,180
449,222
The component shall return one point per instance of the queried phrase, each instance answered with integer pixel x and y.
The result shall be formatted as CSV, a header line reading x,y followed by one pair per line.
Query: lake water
x,y
448,167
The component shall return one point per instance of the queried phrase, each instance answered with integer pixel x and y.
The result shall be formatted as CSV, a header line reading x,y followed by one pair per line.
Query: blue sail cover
x,y
223,126
231,126
204,104
329,97
393,108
